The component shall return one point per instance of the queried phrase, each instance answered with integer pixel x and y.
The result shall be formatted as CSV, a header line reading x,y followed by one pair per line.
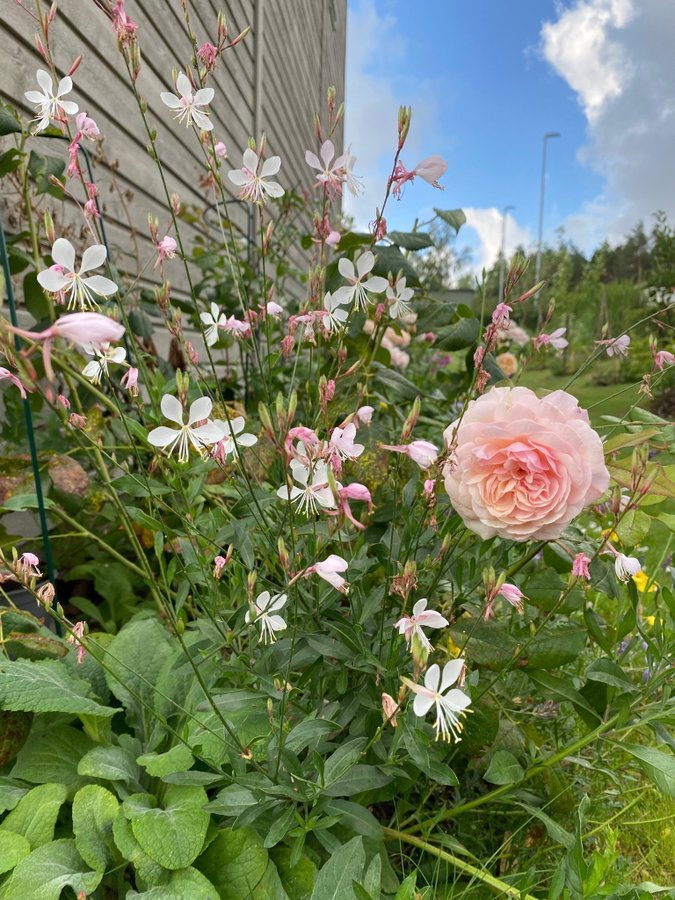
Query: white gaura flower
x,y
342,439
254,185
103,355
227,443
199,437
626,566
399,297
330,175
409,626
262,615
450,706
333,315
188,106
358,283
48,104
61,278
314,492
213,321
353,182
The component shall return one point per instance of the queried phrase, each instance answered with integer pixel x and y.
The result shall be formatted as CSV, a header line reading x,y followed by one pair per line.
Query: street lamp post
x,y
502,259
548,136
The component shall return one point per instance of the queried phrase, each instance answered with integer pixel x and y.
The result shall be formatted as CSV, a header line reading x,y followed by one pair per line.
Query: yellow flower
x,y
650,620
453,649
641,580
610,535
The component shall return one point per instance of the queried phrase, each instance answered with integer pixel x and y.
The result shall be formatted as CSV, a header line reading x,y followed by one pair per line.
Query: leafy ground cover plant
x,y
364,623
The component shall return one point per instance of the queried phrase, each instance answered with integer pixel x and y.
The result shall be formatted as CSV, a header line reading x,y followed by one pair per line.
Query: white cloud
x,y
487,224
617,55
372,100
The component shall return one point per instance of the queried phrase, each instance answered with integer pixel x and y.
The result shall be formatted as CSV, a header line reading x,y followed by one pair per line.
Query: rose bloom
x,y
508,363
524,466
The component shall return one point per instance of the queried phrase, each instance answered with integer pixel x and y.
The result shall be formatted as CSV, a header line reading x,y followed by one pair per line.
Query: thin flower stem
x,y
496,885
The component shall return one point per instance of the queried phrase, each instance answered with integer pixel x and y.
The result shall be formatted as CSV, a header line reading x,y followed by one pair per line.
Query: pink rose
x,y
524,466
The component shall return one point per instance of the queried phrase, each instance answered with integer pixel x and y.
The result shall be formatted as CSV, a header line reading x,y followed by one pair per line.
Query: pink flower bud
x,y
580,566
220,150
63,401
77,421
87,328
130,381
364,415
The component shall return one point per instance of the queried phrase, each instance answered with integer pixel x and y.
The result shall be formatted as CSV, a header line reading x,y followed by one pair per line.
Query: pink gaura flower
x,y
616,346
411,626
255,186
331,176
342,441
513,595
424,453
86,127
663,358
220,150
166,249
29,566
430,169
207,55
450,705
15,380
524,467
125,27
501,315
75,420
364,415
219,563
237,328
189,107
75,637
331,570
86,328
555,339
130,380
354,491
580,566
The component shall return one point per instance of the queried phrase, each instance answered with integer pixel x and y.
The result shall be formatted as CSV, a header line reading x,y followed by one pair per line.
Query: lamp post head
x,y
552,134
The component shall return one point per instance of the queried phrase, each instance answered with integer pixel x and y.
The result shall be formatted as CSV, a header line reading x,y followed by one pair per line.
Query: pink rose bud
x,y
580,566
429,337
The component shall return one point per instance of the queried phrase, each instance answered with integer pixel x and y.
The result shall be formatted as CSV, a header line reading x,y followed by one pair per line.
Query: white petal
x,y
34,97
118,355
262,600
201,120
236,424
162,436
276,623
200,409
170,100
204,96
299,472
271,166
419,607
44,79
92,369
451,672
376,284
432,677
327,153
277,602
238,177
93,257
51,281
171,408
247,440
64,86
346,269
63,254
310,158
99,284
69,108
250,159
365,263
456,700
273,188
183,85
432,619
422,704
210,433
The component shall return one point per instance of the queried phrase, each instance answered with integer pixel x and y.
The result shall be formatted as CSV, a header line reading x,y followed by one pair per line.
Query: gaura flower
x,y
331,571
513,595
314,492
523,467
364,415
358,285
49,104
399,297
237,328
103,355
61,278
330,175
411,626
342,440
626,566
333,315
199,436
255,186
663,358
166,249
130,380
354,182
263,615
616,346
580,566
188,106
28,564
450,705
555,339
213,321
232,438
424,453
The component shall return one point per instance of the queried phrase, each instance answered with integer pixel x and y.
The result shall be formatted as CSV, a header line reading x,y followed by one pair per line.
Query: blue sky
x,y
486,79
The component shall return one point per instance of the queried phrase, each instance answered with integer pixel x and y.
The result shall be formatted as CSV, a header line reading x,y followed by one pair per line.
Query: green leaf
x,y
34,297
9,123
342,760
410,240
46,686
110,764
608,672
35,815
29,645
126,843
234,862
553,647
10,159
555,832
394,382
269,887
334,881
359,778
308,733
280,827
177,759
633,527
42,168
94,811
489,645
186,884
657,766
173,834
504,768
52,755
407,889
297,880
232,801
46,871
460,334
390,260
356,817
454,217
11,792
13,848
353,239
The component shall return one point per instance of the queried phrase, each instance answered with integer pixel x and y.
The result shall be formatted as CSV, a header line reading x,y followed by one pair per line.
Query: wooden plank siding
x,y
300,52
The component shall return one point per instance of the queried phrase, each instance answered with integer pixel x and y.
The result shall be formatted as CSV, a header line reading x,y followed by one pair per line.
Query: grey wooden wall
x,y
273,81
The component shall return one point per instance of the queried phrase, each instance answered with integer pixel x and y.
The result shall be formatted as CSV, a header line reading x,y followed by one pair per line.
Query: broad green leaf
x,y
110,764
657,766
232,801
46,685
172,834
372,880
489,645
270,886
454,217
308,733
11,791
297,880
35,815
185,884
51,755
94,811
659,479
633,527
504,768
342,760
359,778
356,817
235,862
629,439
608,672
555,831
460,334
410,240
10,161
334,881
48,870
34,297
391,260
13,848
417,745
9,124
177,759
395,383
42,168
407,889
150,871
554,646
